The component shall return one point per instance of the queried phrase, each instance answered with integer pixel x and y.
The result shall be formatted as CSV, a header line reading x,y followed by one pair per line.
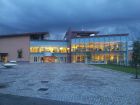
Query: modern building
x,y
77,47
17,46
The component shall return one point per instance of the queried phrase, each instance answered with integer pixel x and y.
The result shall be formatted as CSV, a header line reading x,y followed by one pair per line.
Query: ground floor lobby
x,y
82,57
100,58
74,57
48,58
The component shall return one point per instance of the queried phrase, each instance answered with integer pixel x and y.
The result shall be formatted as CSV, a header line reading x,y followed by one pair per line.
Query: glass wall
x,y
40,49
96,49
44,46
104,49
57,51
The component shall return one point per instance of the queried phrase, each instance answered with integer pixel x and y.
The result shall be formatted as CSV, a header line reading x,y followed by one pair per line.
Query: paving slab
x,y
77,83
7,99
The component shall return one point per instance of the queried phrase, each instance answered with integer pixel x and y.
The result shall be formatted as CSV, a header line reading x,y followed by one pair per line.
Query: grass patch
x,y
126,69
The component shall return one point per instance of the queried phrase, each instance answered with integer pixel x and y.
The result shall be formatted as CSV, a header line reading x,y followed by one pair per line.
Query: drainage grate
x,y
44,81
3,85
43,89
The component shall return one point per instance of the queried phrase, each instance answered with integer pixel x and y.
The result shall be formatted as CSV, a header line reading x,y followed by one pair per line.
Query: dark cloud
x,y
56,16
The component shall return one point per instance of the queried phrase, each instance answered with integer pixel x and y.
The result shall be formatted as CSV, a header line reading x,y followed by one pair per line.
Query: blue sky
x,y
56,16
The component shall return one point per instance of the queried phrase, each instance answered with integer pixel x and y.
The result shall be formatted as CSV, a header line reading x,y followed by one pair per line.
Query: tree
x,y
136,56
20,53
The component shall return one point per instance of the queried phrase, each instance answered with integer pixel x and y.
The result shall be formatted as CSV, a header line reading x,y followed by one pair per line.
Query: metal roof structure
x,y
25,34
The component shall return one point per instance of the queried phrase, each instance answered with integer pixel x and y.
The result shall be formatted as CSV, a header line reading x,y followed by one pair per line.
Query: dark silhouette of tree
x,y
136,56
20,53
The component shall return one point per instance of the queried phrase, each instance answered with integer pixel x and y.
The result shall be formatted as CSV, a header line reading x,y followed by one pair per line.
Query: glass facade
x,y
91,50
104,49
48,51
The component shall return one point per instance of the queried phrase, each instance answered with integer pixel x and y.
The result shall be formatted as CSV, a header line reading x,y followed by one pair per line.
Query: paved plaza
x,y
77,83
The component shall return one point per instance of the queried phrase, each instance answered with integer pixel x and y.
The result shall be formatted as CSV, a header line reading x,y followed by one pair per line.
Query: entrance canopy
x,y
48,54
3,57
3,54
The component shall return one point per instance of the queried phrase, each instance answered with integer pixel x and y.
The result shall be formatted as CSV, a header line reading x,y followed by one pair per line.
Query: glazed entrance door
x,y
49,59
80,58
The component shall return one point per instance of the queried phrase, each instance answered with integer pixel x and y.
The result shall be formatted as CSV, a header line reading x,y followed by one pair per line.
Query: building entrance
x,y
3,57
80,58
48,59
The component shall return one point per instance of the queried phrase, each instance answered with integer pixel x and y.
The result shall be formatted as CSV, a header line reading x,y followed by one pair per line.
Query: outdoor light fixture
x,y
92,35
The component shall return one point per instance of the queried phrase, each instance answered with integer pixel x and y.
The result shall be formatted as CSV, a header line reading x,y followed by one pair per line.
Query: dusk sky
x,y
56,16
